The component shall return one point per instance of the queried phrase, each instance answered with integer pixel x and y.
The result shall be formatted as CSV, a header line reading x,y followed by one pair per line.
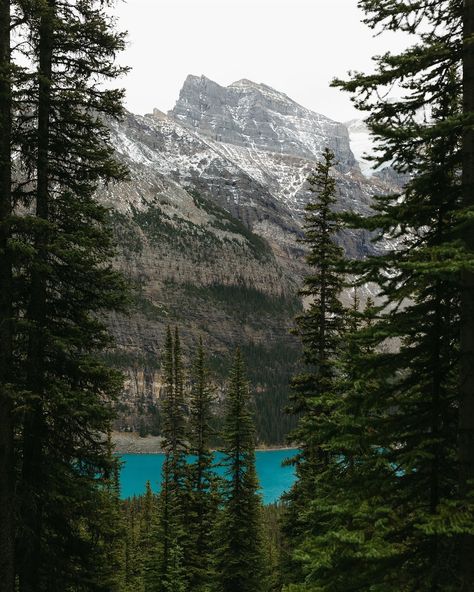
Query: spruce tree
x,y
165,570
202,500
7,485
466,395
239,559
174,441
321,327
149,510
414,416
66,286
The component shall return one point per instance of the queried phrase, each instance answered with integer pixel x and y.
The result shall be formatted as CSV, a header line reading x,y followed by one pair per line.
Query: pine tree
x,y
165,563
466,395
344,543
7,486
149,510
174,411
110,532
321,327
66,285
131,575
414,414
202,501
239,543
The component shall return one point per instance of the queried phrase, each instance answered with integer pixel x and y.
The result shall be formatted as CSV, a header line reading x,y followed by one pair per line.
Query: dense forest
x,y
383,403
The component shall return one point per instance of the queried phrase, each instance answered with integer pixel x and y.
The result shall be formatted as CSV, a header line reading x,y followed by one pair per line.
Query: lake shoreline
x,y
132,443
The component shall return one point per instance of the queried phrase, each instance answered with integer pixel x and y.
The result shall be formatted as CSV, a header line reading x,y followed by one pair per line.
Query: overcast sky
x,y
295,46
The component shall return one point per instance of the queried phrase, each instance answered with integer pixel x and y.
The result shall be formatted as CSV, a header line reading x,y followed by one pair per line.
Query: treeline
x,y
384,497
201,532
139,513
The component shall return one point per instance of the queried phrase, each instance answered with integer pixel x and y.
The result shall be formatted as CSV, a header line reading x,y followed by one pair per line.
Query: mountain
x,y
254,117
208,226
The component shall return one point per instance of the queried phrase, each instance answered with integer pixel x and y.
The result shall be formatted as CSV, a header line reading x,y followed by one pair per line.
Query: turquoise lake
x,y
274,479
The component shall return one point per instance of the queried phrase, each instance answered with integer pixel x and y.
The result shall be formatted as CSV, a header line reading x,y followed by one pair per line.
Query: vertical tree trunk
x,y
33,478
6,402
466,403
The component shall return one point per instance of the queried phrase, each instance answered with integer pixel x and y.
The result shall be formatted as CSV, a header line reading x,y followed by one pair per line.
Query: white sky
x,y
295,46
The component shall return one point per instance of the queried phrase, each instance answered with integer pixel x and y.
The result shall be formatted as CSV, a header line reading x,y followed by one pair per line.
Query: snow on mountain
x,y
256,116
250,149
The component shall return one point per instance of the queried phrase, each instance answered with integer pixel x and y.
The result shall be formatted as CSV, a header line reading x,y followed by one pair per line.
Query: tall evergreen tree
x,y
321,328
165,571
414,416
149,510
202,502
6,300
239,547
174,411
66,284
466,398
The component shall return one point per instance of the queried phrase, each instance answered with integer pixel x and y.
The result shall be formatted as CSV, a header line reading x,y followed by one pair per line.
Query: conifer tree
x,y
174,411
66,284
6,301
165,570
315,393
239,548
132,556
415,416
344,543
149,507
466,394
202,502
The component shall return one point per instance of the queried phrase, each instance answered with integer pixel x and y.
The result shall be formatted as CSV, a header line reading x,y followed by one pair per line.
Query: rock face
x,y
255,116
208,228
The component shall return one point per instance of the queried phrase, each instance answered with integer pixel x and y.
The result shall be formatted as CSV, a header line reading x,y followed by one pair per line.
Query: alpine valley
x,y
208,228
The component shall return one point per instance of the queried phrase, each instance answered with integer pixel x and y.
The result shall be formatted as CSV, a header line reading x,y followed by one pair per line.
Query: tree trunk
x,y
33,477
466,402
6,402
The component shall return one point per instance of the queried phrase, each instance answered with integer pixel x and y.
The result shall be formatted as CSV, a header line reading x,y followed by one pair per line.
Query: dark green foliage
x,y
63,286
245,301
174,437
126,237
316,393
202,488
270,368
165,569
239,556
273,541
224,221
7,479
139,514
195,239
384,516
270,364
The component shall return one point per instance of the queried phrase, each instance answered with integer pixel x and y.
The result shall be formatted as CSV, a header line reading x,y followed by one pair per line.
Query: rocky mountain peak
x,y
244,82
263,90
256,116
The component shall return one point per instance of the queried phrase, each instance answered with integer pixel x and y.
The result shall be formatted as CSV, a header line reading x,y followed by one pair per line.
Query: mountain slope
x,y
208,228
